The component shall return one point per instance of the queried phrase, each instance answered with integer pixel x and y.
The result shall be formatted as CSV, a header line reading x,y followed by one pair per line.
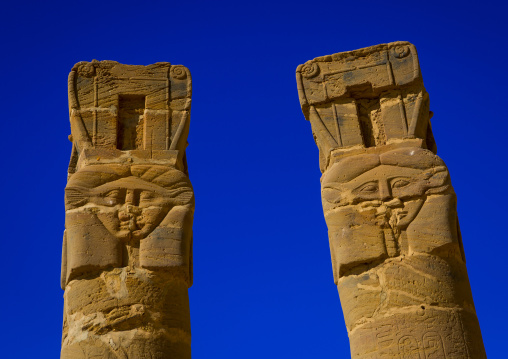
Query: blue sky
x,y
263,285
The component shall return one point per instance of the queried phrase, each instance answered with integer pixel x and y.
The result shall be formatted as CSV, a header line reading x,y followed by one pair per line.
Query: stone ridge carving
x,y
396,249
127,248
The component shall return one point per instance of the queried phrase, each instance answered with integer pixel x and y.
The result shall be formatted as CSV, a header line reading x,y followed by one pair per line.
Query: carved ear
x,y
75,197
181,196
331,195
437,177
184,197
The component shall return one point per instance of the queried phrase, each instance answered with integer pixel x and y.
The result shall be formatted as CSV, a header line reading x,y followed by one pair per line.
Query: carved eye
x,y
146,196
400,183
112,197
368,188
114,193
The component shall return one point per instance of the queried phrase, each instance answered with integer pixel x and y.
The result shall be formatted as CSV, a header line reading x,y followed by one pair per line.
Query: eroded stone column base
x,y
127,313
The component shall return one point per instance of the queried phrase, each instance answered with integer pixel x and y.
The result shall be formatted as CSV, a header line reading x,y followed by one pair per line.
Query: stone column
x,y
127,247
397,254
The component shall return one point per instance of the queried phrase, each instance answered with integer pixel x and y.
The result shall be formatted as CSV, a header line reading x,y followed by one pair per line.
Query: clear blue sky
x,y
263,285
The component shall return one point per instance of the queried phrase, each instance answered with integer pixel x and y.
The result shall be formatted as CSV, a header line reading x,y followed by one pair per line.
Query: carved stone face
x,y
128,206
390,193
370,200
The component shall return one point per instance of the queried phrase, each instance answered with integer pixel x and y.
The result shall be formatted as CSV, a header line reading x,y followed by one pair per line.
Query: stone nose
x,y
131,198
384,191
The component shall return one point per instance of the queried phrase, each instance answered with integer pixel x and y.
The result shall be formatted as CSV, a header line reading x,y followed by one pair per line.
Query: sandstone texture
x,y
127,247
396,249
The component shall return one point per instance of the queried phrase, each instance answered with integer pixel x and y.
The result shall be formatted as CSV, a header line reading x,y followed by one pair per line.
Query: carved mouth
x,y
130,219
129,225
388,214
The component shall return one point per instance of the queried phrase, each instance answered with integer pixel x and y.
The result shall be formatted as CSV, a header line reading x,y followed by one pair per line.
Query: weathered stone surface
x,y
395,242
127,249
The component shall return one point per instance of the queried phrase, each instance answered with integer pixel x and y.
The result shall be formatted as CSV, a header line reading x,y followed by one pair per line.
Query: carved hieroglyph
x,y
127,248
395,242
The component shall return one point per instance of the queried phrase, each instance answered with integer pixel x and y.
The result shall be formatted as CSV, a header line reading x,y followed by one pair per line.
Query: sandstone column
x,y
127,247
395,242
